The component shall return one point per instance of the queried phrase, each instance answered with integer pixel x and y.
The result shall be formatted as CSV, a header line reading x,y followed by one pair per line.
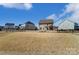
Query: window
x,y
40,28
46,27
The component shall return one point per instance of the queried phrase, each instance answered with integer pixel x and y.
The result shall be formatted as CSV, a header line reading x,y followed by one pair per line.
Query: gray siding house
x,y
28,26
9,26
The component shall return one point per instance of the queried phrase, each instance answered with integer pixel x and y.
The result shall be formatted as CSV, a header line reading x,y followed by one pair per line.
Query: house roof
x,y
29,22
50,21
9,24
67,20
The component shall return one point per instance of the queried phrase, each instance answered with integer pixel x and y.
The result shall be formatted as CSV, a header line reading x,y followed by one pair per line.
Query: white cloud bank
x,y
74,8
26,6
69,8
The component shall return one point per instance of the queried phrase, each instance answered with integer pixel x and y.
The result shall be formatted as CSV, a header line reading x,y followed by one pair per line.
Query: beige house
x,y
46,24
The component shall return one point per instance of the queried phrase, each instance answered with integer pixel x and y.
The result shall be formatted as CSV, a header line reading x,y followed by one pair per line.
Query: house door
x,y
50,27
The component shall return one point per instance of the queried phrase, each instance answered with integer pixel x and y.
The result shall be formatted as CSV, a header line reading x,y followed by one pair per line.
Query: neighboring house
x,y
76,26
67,25
22,26
1,28
30,26
55,28
46,24
17,28
9,26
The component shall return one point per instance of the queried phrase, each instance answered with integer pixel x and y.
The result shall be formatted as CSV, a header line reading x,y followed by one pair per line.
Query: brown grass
x,y
39,43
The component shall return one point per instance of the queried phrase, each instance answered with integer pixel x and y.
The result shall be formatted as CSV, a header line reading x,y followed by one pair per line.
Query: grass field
x,y
39,43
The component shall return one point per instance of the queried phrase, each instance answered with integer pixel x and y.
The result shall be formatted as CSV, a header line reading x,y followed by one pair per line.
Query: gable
x,y
66,25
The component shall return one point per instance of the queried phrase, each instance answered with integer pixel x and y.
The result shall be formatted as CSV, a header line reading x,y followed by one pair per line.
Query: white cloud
x,y
70,8
74,8
26,6
53,16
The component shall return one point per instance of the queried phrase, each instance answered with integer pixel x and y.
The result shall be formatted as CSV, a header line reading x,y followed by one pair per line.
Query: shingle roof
x,y
9,24
50,21
29,22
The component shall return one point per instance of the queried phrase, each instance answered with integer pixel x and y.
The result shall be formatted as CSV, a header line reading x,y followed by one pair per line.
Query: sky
x,y
20,13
